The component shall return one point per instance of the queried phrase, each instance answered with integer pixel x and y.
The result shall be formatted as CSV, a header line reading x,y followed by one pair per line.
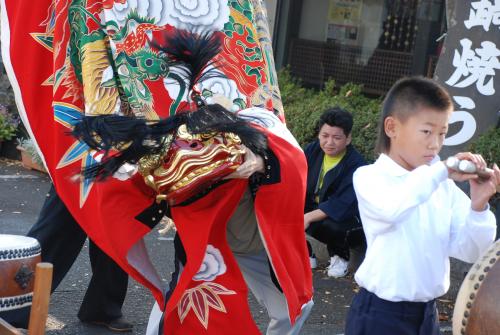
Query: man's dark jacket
x,y
336,196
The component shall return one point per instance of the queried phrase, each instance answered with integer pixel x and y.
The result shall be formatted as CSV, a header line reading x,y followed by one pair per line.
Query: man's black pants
x,y
61,240
338,236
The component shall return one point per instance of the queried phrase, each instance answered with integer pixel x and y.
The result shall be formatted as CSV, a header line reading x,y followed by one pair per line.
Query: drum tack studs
x,y
481,277
486,269
462,331
472,296
18,301
464,322
469,304
476,286
493,261
466,314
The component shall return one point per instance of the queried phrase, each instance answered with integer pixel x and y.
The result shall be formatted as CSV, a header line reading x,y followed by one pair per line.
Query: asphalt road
x,y
22,193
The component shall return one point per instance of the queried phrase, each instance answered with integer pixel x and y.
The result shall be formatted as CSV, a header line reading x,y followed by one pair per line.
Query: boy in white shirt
x,y
414,216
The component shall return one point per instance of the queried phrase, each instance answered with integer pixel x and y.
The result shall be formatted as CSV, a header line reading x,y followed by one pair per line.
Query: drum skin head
x,y
477,309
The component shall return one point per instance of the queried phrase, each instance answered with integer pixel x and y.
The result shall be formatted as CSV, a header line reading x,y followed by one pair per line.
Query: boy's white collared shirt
x,y
414,221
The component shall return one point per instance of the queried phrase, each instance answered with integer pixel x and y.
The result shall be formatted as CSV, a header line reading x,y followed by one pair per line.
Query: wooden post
x,y
41,298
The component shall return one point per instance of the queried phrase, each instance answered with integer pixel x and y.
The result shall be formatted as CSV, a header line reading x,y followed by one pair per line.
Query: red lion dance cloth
x,y
72,58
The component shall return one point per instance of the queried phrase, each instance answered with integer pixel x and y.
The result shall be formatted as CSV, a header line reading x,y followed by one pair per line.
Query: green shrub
x,y
303,108
7,130
488,145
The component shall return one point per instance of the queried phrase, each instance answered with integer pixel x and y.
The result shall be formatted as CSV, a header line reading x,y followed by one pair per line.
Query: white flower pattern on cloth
x,y
222,90
193,15
198,15
212,266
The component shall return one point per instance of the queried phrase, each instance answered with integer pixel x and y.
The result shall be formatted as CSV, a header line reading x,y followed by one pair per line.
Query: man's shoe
x,y
117,325
338,267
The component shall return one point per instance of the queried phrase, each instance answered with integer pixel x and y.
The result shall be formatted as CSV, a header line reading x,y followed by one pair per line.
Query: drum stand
x,y
39,306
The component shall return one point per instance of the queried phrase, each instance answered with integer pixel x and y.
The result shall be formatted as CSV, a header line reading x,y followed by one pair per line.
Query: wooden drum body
x,y
477,309
18,258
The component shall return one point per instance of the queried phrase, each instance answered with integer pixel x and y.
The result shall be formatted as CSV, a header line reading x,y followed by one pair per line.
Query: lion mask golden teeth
x,y
191,163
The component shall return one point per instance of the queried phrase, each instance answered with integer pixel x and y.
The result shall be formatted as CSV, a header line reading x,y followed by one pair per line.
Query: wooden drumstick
x,y
466,166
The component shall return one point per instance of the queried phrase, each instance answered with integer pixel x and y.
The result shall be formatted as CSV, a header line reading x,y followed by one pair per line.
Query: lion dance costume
x,y
172,89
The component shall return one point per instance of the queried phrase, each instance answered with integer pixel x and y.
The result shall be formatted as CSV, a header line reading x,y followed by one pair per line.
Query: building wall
x,y
271,6
313,20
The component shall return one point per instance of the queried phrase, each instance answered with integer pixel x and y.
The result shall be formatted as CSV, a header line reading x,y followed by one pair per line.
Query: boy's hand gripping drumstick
x,y
466,166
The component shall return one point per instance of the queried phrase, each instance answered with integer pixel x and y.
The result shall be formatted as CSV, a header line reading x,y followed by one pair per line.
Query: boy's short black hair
x,y
336,117
408,96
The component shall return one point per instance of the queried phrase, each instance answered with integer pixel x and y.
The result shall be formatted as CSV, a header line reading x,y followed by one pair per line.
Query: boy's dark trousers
x,y
61,240
370,315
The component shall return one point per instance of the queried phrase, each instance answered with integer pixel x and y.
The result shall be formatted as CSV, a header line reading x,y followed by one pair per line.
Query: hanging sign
x,y
469,68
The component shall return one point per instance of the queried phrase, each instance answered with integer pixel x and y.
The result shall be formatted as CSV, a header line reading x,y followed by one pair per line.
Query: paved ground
x,y
22,193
